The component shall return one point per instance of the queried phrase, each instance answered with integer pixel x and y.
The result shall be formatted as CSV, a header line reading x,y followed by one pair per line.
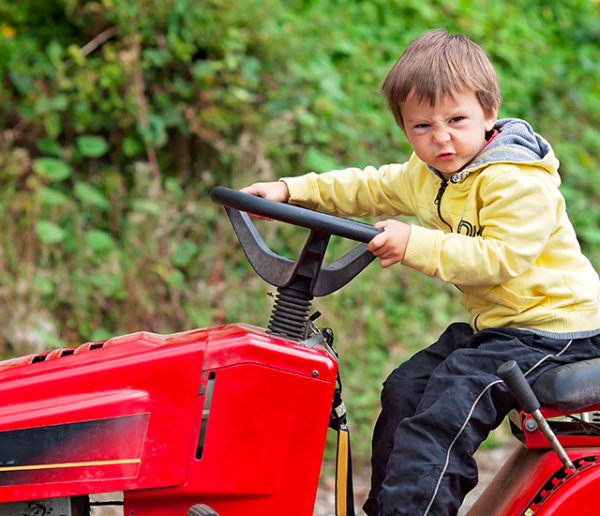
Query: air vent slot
x,y
205,413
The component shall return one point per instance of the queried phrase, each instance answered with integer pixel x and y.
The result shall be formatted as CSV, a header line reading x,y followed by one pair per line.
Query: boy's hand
x,y
390,245
273,190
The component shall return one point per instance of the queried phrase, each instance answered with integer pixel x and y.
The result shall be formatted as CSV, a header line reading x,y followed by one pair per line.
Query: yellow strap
x,y
341,481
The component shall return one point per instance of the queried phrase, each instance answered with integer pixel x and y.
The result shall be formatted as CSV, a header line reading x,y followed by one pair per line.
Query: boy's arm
x,y
354,192
520,213
389,246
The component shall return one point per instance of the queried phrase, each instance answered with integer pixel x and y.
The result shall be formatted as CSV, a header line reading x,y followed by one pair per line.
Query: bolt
x,y
530,425
315,373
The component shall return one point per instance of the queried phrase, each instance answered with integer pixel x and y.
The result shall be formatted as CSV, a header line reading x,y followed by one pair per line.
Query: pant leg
x,y
431,467
400,396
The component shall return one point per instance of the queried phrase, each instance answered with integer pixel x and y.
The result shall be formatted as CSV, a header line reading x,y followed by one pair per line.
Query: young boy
x,y
491,221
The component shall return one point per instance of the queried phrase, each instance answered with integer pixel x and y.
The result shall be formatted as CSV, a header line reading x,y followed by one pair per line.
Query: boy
x,y
491,221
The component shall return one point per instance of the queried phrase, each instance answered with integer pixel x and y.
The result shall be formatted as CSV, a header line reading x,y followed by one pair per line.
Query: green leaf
x,y
146,206
131,146
89,194
53,124
108,284
590,234
49,233
184,252
100,334
176,279
317,161
51,197
92,146
22,82
52,169
48,146
156,133
43,284
98,240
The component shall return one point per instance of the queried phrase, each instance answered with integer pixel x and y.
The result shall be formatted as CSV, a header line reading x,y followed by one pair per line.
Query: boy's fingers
x,y
249,190
260,217
386,262
376,243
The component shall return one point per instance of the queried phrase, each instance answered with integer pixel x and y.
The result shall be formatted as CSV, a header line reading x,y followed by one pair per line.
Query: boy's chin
x,y
449,170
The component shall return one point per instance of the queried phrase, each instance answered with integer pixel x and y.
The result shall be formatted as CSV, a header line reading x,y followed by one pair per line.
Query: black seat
x,y
570,387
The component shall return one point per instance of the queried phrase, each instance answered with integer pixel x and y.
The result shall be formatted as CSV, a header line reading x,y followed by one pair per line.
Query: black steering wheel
x,y
298,281
292,214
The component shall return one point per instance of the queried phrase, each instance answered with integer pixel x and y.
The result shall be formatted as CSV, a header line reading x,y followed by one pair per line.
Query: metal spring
x,y
289,316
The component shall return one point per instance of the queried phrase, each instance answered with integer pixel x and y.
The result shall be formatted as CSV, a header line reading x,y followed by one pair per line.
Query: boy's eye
x,y
457,119
421,126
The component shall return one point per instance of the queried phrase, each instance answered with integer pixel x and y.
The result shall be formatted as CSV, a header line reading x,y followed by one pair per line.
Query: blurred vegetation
x,y
117,118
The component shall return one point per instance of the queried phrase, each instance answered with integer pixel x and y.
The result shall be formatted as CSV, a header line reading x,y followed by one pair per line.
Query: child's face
x,y
449,134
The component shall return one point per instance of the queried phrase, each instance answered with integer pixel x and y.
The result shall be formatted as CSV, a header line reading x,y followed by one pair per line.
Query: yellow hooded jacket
x,y
498,230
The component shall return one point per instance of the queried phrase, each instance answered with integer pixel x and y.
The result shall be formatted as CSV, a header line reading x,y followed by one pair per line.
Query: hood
x,y
515,142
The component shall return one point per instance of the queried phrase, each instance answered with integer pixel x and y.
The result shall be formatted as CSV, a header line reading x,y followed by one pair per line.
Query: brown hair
x,y
438,64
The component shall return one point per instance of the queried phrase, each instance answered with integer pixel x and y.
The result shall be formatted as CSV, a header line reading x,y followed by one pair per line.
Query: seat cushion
x,y
570,387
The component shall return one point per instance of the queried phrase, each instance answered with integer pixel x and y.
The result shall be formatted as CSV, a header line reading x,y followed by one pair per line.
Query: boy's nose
x,y
441,135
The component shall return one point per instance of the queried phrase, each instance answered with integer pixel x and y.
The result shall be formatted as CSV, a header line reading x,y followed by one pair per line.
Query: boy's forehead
x,y
445,101
439,97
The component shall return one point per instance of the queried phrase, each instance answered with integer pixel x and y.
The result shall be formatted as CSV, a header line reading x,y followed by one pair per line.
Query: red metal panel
x,y
264,437
530,473
158,376
577,495
265,434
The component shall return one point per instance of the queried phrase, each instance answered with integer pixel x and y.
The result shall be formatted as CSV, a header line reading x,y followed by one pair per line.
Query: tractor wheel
x,y
201,510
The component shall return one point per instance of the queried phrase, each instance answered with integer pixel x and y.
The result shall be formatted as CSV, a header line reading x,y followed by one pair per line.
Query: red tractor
x,y
232,420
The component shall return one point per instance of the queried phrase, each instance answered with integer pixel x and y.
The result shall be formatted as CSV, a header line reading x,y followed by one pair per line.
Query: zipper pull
x,y
438,197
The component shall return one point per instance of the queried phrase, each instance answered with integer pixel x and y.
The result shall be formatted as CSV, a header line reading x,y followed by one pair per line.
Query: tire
x,y
201,510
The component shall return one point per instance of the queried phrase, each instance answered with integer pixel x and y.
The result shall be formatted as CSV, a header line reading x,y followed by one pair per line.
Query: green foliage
x,y
116,118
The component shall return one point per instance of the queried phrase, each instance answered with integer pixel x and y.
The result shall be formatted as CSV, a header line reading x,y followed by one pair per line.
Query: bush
x,y
118,117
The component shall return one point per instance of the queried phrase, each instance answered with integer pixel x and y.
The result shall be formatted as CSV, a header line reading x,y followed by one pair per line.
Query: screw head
x,y
315,373
531,425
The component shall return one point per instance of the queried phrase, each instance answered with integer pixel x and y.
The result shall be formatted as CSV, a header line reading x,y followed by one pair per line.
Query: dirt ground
x,y
488,460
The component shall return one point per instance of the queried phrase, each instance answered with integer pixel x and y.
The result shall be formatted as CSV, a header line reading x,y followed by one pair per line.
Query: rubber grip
x,y
294,214
517,384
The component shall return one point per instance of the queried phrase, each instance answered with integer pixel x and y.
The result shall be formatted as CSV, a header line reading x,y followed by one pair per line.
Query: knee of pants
x,y
397,380
401,391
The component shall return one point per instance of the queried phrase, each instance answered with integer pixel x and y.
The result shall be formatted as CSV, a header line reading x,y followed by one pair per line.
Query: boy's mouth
x,y
445,155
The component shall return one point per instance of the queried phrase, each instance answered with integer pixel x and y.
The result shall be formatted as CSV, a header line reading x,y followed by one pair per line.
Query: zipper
x,y
438,201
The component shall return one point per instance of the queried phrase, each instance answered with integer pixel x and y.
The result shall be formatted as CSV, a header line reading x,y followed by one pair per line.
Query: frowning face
x,y
448,134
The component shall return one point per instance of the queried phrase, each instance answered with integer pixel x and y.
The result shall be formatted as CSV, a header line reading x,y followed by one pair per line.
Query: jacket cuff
x,y
423,249
301,190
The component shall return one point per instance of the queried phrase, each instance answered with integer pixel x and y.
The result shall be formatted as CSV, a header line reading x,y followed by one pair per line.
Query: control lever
x,y
517,384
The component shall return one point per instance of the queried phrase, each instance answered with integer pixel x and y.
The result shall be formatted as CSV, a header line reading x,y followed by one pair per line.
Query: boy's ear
x,y
491,120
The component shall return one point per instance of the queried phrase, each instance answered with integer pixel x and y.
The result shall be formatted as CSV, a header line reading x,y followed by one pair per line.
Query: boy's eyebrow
x,y
453,113
418,120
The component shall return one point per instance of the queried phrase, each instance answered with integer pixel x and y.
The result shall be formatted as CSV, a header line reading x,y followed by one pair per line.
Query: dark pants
x,y
439,406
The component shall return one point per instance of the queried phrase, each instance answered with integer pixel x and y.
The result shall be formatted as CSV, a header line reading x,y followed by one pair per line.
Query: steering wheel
x,y
300,280
294,214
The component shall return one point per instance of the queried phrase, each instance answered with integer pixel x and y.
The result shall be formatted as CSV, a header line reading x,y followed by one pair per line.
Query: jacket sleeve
x,y
518,215
354,192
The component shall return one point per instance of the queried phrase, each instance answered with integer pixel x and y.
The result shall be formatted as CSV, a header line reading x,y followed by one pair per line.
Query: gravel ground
x,y
488,460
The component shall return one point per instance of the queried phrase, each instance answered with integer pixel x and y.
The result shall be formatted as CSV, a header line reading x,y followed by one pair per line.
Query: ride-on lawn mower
x,y
232,420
